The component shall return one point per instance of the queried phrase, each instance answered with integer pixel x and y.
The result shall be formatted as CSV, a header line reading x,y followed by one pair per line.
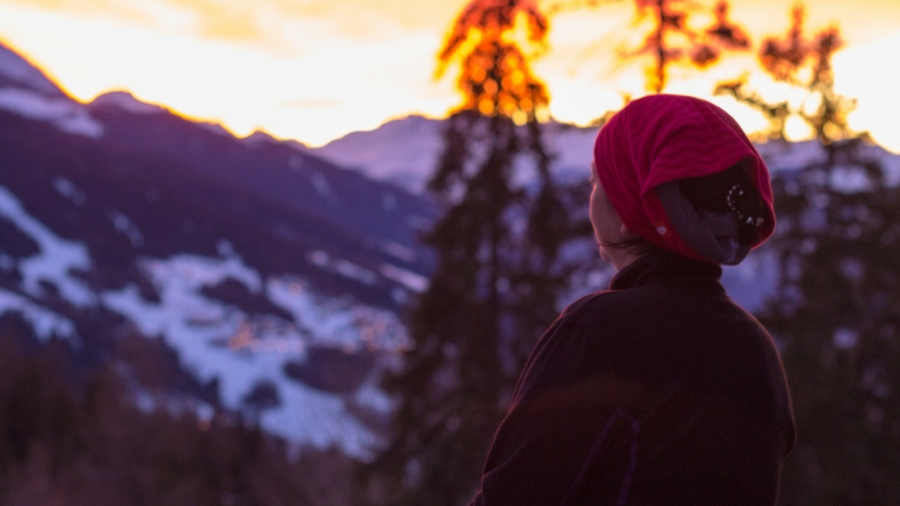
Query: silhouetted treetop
x,y
495,76
673,41
803,62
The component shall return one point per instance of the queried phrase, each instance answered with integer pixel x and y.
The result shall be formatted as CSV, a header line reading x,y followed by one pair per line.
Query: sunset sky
x,y
314,70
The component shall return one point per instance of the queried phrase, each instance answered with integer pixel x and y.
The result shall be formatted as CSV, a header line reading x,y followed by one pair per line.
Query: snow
x,y
399,251
409,279
68,189
345,268
405,151
783,156
353,271
219,341
572,148
190,271
67,115
402,151
57,258
45,323
17,69
127,102
124,225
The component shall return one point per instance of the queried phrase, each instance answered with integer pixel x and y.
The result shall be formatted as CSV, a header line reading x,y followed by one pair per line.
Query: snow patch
x,y
45,323
345,268
353,271
221,341
190,271
125,226
409,279
67,115
403,151
17,69
68,189
400,251
57,258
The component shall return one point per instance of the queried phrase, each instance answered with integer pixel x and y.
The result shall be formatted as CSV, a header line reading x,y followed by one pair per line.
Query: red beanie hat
x,y
659,139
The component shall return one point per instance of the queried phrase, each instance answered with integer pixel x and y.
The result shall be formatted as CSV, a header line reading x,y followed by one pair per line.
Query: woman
x,y
660,390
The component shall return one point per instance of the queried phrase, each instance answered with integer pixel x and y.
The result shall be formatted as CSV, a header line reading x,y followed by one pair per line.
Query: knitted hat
x,y
648,153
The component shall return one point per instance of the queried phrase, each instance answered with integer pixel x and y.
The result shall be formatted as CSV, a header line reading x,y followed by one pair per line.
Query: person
x,y
660,390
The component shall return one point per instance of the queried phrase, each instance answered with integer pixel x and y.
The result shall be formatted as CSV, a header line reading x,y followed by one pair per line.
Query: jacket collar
x,y
662,267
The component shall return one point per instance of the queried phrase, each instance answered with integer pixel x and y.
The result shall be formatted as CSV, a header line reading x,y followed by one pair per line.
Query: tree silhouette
x,y
672,41
498,278
803,63
835,313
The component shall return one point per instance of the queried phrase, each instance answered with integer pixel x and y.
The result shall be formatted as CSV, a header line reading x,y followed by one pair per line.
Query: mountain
x,y
255,276
17,73
405,151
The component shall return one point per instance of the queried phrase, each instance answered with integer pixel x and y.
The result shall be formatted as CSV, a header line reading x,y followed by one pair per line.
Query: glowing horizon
x,y
314,70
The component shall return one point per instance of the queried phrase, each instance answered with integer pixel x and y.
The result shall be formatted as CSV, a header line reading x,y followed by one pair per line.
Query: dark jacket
x,y
660,391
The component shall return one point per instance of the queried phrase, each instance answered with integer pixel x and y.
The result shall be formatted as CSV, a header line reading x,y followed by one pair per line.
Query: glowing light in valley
x,y
314,70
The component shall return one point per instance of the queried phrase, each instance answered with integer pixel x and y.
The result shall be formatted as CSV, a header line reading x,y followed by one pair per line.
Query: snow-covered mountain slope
x,y
271,279
402,151
98,242
405,151
216,336
26,91
16,72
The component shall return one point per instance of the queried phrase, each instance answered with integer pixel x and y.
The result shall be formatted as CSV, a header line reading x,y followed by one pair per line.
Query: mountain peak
x,y
125,101
17,72
260,136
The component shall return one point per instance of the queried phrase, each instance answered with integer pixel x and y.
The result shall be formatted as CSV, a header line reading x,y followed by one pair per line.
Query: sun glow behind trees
x,y
310,70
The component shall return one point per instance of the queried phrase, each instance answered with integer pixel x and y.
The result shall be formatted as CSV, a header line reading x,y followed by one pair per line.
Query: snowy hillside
x,y
405,151
26,91
273,278
16,72
215,339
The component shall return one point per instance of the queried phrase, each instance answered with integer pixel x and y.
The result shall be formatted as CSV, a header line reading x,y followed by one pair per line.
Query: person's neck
x,y
622,259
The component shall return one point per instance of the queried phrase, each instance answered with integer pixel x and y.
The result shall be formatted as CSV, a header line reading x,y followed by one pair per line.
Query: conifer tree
x,y
672,41
497,278
836,313
837,316
803,63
